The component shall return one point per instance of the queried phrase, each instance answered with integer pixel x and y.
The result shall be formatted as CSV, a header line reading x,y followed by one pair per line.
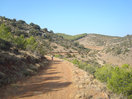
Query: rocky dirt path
x,y
56,82
60,80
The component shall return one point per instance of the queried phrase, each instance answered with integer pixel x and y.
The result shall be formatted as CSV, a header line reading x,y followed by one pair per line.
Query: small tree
x,y
20,42
45,30
104,73
121,81
32,24
31,43
36,27
5,33
21,22
51,31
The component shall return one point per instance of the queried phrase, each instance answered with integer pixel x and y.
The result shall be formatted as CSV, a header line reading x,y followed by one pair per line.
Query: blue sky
x,y
109,17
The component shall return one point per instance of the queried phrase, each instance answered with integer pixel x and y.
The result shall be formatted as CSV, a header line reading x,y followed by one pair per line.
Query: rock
x,y
87,81
37,65
78,96
80,86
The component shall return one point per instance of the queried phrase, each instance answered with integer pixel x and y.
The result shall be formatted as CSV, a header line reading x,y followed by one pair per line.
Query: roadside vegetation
x,y
15,63
18,42
21,54
91,68
118,79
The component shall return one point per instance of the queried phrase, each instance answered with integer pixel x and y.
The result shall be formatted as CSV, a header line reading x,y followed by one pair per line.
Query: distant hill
x,y
103,41
72,37
98,40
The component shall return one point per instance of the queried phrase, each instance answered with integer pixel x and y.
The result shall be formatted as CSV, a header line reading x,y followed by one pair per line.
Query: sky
x,y
108,17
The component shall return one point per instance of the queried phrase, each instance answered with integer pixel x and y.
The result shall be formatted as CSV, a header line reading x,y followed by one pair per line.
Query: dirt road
x,y
53,83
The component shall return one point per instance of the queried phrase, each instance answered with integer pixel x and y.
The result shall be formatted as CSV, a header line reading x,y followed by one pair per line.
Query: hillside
x,y
110,49
72,37
24,49
97,40
20,27
93,48
21,43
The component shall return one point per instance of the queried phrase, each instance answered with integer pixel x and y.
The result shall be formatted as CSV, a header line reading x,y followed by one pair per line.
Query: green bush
x,y
35,26
121,81
91,69
83,65
58,56
31,43
75,61
5,33
125,66
70,37
20,42
5,37
104,73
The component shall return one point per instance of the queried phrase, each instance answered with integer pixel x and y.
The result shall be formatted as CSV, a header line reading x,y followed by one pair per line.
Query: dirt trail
x,y
53,83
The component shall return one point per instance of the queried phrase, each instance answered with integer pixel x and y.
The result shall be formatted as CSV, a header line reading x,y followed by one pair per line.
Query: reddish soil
x,y
55,82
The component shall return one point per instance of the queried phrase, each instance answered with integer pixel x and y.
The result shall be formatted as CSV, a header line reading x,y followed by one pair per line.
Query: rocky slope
x,y
109,49
90,88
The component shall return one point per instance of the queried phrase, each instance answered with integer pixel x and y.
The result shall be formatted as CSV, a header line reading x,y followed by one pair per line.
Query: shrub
x,y
104,73
4,45
51,31
5,33
75,61
45,30
20,22
125,66
68,55
20,42
40,49
35,26
32,24
58,56
18,32
20,26
76,44
121,81
83,65
91,69
31,43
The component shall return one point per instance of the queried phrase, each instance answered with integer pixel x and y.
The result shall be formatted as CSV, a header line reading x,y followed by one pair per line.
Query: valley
x,y
26,50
